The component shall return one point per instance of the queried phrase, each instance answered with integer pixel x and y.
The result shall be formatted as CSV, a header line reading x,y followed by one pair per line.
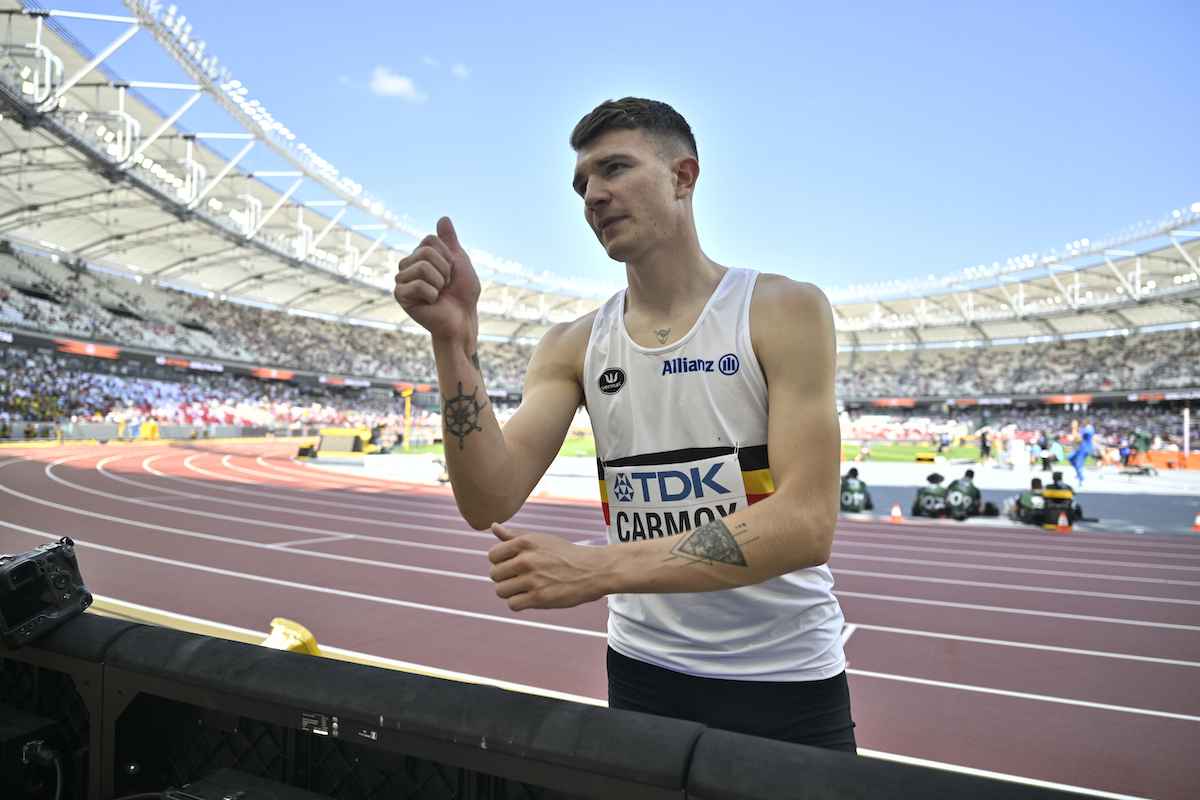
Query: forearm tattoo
x,y
714,543
461,414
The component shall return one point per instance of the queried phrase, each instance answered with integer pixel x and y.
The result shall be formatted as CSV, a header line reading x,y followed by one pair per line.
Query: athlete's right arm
x,y
491,471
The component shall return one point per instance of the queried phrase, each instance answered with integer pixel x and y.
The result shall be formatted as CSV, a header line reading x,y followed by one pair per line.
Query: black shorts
x,y
815,713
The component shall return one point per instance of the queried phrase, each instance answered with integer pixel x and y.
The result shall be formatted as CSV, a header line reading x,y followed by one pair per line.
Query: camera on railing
x,y
39,590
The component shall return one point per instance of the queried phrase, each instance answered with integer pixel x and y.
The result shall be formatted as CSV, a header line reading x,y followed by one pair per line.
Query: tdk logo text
x,y
671,485
728,365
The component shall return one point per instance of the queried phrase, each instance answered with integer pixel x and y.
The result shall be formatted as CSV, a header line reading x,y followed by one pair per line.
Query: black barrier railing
x,y
140,708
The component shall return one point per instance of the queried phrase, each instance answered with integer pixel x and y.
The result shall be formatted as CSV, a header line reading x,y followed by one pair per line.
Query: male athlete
x,y
711,394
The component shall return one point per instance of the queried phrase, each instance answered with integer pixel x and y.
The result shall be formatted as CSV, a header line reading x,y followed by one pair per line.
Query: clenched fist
x,y
437,286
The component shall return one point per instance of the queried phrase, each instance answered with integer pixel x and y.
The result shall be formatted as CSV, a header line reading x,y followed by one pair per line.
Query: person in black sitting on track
x,y
856,498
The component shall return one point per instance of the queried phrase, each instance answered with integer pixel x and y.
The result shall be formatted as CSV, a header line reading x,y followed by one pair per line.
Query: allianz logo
x,y
727,364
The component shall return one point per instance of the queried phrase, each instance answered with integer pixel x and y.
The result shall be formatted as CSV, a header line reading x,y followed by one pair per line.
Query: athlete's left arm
x,y
792,330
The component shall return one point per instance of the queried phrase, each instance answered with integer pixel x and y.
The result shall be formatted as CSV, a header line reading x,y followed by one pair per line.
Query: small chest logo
x,y
623,489
611,380
729,364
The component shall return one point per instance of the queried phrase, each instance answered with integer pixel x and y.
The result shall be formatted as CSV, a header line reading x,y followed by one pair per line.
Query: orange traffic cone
x,y
1196,524
1064,524
897,515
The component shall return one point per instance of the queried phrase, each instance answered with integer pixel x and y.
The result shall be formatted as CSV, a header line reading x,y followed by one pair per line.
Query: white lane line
x,y
1041,698
397,566
229,540
309,587
1041,559
1075,651
346,509
342,504
146,465
1058,573
1018,587
243,520
580,631
1002,776
847,631
337,537
587,511
226,461
1026,547
243,634
1024,611
869,523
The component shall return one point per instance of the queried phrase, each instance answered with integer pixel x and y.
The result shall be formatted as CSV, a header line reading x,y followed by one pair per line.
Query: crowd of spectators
x,y
42,294
1147,361
37,386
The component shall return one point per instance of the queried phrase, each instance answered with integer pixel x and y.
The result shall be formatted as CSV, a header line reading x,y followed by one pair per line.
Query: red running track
x,y
1069,659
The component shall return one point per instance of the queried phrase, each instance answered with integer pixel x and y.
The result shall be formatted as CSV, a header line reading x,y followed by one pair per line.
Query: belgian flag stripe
x,y
758,481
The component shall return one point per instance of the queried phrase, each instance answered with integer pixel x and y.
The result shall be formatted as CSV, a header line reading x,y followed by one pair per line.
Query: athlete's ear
x,y
686,171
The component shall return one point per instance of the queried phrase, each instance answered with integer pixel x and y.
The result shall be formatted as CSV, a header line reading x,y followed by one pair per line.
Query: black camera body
x,y
40,590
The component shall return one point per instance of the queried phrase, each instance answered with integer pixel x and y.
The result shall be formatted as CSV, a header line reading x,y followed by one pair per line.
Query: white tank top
x,y
681,437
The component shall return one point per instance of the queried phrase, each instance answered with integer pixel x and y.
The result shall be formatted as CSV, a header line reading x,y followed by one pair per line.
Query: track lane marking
x,y
1041,698
1024,611
582,631
1022,570
1018,587
357,501
337,537
1174,662
1048,548
448,573
1018,556
228,540
309,587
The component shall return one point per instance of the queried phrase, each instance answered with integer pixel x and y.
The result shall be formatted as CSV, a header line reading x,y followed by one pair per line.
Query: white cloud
x,y
460,71
386,83
430,61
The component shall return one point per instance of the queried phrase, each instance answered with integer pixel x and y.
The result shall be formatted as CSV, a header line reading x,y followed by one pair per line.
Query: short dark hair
x,y
853,473
1035,484
634,113
969,473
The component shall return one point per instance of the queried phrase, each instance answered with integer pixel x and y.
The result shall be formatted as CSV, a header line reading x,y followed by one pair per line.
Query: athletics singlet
x,y
681,438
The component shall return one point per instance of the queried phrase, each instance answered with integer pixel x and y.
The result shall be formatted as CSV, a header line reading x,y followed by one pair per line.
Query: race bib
x,y
650,502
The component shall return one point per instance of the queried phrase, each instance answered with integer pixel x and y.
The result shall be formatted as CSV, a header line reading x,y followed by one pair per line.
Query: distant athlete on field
x,y
1086,433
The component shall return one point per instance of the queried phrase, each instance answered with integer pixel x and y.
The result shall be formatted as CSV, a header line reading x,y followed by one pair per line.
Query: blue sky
x,y
837,145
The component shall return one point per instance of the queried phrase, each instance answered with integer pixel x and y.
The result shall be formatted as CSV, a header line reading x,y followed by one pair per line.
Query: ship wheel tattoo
x,y
462,414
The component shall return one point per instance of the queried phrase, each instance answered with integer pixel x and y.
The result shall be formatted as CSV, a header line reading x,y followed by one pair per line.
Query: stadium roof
x,y
93,170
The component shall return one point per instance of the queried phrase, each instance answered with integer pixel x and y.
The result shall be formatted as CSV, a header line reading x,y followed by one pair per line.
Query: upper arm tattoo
x,y
461,414
714,543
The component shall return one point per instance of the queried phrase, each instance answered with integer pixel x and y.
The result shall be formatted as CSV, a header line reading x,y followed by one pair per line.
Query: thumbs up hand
x,y
437,286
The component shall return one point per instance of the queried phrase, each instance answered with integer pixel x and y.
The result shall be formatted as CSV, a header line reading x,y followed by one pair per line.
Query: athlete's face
x,y
629,191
